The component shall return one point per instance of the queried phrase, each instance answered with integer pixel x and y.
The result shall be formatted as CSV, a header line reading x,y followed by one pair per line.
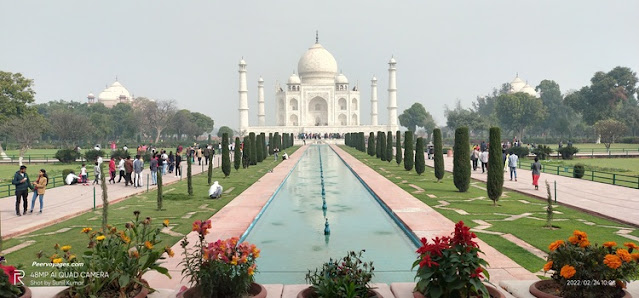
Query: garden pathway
x,y
610,201
68,201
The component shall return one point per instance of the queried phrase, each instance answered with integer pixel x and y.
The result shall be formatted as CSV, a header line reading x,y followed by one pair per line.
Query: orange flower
x,y
165,223
577,237
612,261
567,271
234,260
631,246
635,256
251,270
555,245
86,230
624,255
584,243
610,244
148,244
548,266
169,251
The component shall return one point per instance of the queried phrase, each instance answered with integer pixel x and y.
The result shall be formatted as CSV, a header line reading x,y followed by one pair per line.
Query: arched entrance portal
x,y
318,112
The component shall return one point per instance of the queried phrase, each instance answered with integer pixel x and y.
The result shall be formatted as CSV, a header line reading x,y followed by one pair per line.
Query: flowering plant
x,y
115,261
346,277
223,268
451,266
581,268
8,287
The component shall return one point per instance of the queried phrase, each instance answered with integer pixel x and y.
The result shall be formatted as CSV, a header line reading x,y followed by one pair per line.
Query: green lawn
x,y
53,170
176,203
475,202
625,166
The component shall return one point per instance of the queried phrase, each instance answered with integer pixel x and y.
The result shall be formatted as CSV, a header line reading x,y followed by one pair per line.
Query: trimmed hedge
x,y
578,171
371,144
226,159
438,154
398,147
520,151
568,152
420,163
67,155
389,146
461,163
378,145
409,158
237,157
92,155
495,183
382,145
542,152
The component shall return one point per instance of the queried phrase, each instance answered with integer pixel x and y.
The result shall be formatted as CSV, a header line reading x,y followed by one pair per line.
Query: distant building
x,y
112,95
518,85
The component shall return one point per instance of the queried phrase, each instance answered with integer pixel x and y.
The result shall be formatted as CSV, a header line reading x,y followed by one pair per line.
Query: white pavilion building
x,y
518,85
112,95
318,99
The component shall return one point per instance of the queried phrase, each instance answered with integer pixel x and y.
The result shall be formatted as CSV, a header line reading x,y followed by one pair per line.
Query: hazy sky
x,y
189,50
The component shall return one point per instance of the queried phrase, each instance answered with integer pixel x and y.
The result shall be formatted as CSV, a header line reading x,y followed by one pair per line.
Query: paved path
x,y
68,201
610,201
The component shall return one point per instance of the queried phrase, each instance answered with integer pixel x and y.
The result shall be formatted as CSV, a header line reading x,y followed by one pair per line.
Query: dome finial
x,y
316,36
517,74
116,78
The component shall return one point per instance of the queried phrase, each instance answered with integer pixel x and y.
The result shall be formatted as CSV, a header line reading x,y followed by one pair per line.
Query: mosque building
x,y
112,95
518,85
317,99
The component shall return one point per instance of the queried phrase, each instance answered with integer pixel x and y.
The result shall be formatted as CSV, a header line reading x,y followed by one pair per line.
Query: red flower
x,y
463,235
201,226
427,261
477,273
10,272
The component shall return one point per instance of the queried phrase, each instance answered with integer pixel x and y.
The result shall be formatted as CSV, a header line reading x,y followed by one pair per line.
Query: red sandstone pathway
x,y
68,201
611,201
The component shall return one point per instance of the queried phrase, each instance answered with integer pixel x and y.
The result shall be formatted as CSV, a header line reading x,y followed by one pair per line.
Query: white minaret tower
x,y
244,117
261,117
374,101
392,95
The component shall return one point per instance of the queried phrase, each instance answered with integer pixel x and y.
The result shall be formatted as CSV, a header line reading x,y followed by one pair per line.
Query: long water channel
x,y
290,231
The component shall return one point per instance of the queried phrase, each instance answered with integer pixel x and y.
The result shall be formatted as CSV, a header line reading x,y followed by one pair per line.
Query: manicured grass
x,y
53,170
176,204
625,166
597,147
475,202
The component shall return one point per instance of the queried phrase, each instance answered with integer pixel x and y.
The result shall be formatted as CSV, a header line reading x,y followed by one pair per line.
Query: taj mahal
x,y
317,99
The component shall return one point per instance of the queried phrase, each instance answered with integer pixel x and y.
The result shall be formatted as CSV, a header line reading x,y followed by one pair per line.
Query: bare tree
x,y
156,115
25,130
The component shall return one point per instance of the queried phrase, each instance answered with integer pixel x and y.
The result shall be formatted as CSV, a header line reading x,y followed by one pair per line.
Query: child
x,y
96,173
83,174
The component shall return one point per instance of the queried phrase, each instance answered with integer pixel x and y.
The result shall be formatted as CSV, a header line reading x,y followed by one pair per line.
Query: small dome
x,y
294,80
341,79
317,65
529,90
392,61
91,96
114,92
517,84
260,80
242,62
374,79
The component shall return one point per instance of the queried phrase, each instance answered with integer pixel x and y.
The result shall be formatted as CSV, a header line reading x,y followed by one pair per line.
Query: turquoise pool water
x,y
290,231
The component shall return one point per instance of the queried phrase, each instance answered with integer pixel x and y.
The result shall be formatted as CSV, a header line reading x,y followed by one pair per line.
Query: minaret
x,y
392,95
261,117
374,101
244,117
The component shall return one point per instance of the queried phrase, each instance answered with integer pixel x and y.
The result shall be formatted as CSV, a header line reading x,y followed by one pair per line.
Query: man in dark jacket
x,y
128,169
22,183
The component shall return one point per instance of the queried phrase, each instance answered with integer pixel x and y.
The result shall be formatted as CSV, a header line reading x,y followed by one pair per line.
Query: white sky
x,y
189,50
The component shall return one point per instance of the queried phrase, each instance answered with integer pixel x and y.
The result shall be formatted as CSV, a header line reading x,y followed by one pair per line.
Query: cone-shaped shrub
x,y
382,145
226,158
189,178
495,183
378,145
253,156
439,154
237,157
389,146
258,148
420,164
362,142
371,144
264,149
246,153
409,157
461,161
159,189
270,143
398,147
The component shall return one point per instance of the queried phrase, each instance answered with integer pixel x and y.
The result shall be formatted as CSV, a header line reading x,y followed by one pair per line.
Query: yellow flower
x,y
57,261
100,238
66,248
612,261
624,255
166,223
251,270
610,244
234,260
71,257
148,245
555,245
87,230
567,271
169,251
548,266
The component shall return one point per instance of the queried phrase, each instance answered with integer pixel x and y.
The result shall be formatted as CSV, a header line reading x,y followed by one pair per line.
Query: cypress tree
x,y
382,146
277,140
226,158
439,155
283,142
389,146
210,170
270,143
362,142
237,157
461,161
263,143
347,139
371,144
495,181
160,192
398,147
189,179
378,145
258,148
253,156
420,164
246,153
409,157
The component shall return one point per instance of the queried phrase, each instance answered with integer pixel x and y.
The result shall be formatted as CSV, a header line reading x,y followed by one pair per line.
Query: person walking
x,y
84,174
207,153
513,160
199,156
40,186
171,162
128,168
275,152
474,157
112,170
22,184
164,162
138,166
536,172
484,161
178,169
153,167
121,169
96,173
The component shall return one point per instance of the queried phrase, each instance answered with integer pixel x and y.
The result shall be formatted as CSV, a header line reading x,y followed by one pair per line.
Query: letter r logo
x,y
17,277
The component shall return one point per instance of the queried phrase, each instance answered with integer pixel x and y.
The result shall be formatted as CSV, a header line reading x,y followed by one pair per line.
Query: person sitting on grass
x,y
284,156
215,191
71,179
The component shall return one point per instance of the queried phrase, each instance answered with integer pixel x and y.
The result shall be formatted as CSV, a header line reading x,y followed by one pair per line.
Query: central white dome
x,y
317,65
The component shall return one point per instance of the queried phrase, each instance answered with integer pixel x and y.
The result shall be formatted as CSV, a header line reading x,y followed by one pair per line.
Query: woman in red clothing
x,y
112,169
